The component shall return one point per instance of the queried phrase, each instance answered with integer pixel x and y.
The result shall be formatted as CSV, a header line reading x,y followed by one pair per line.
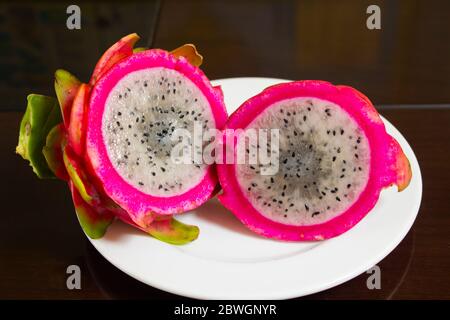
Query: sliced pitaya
x,y
59,149
334,159
134,109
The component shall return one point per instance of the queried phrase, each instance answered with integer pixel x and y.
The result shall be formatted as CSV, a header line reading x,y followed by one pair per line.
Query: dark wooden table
x,y
403,67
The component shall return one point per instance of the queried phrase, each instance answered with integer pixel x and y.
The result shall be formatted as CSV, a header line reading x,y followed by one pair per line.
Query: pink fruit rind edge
x,y
388,164
142,206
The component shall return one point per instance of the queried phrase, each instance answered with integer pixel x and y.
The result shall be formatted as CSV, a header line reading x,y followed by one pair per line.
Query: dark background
x,y
407,61
404,68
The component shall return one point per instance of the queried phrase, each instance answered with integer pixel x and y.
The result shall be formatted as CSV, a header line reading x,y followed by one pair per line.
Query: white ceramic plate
x,y
228,261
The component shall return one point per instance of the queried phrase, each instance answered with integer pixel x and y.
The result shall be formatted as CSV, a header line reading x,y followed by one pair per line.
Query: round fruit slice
x,y
134,112
333,157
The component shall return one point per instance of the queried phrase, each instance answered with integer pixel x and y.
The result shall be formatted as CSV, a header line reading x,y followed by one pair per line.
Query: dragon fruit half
x,y
334,159
111,139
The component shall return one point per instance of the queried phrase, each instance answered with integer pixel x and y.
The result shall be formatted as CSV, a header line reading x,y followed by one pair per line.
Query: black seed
x,y
304,118
356,156
334,132
163,169
348,186
334,158
285,121
342,176
120,96
164,98
306,207
160,186
271,180
338,199
119,113
342,132
153,173
141,183
339,150
315,213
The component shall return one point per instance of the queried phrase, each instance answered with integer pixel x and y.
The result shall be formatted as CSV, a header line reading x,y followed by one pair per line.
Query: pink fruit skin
x,y
77,126
120,50
143,207
389,165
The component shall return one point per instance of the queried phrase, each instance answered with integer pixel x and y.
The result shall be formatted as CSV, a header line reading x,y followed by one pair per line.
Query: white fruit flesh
x,y
142,112
324,163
